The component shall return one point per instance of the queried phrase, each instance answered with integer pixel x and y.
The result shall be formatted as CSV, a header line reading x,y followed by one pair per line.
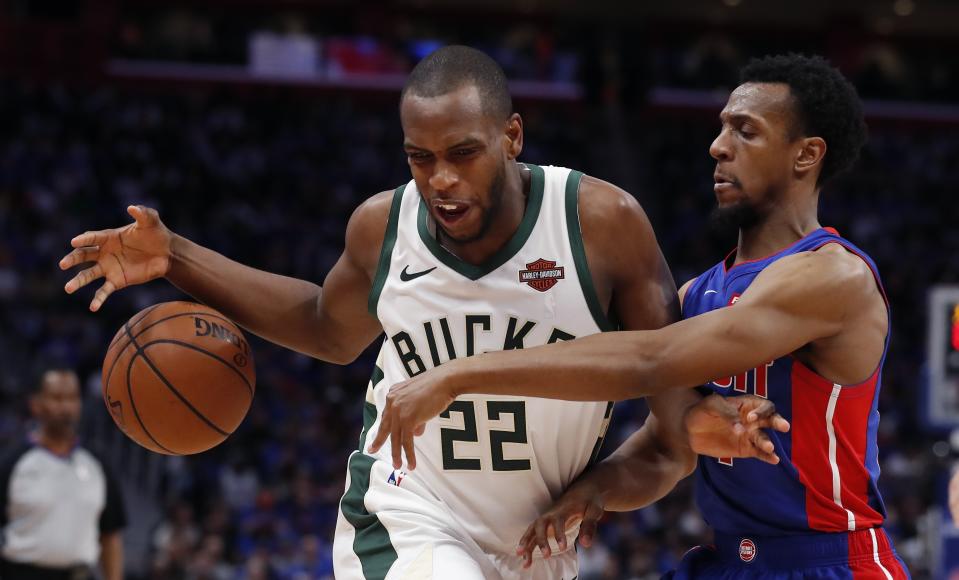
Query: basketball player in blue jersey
x,y
795,313
476,252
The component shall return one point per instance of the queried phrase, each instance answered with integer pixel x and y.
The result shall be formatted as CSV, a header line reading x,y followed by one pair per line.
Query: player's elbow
x,y
333,353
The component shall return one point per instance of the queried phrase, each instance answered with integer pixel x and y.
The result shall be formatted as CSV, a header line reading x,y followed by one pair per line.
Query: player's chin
x,y
462,231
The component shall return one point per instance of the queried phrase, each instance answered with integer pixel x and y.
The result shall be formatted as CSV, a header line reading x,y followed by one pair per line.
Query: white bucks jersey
x,y
495,462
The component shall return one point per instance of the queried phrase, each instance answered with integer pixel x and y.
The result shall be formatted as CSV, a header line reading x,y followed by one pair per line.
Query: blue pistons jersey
x,y
825,485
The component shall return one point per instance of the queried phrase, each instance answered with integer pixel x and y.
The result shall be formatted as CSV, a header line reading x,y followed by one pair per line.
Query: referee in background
x,y
60,508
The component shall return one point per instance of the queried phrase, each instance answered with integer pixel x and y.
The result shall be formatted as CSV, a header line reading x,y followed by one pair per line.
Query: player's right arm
x,y
330,323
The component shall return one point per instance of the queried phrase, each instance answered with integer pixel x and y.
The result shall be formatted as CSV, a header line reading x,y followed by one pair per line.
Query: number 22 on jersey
x,y
495,411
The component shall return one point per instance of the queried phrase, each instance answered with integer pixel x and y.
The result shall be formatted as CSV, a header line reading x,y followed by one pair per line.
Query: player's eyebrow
x,y
468,141
465,142
725,117
411,147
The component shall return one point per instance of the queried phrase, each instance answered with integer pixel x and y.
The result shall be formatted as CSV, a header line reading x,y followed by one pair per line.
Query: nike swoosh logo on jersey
x,y
407,276
710,292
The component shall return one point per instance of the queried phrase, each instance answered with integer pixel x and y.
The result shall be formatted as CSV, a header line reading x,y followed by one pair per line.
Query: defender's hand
x,y
134,254
733,427
581,504
409,405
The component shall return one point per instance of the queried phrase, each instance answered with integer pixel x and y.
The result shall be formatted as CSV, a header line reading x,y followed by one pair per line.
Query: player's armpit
x,y
344,326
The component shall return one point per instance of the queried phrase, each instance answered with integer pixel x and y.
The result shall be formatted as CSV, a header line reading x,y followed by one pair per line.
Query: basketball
x,y
178,378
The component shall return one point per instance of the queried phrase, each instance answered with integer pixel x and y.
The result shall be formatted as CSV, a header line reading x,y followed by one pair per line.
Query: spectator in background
x,y
61,508
954,497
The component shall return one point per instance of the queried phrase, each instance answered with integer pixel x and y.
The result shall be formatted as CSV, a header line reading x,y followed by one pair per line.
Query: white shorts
x,y
392,532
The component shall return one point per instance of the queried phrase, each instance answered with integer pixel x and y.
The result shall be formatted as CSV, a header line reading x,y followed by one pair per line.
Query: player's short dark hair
x,y
826,105
451,67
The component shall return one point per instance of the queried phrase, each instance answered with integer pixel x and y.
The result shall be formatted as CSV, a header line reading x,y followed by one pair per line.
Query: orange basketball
x,y
178,378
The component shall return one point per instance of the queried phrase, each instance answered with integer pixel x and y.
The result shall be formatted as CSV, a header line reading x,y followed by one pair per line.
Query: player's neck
x,y
503,226
777,230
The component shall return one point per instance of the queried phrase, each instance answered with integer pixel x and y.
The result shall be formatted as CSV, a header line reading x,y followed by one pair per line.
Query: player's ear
x,y
810,154
513,139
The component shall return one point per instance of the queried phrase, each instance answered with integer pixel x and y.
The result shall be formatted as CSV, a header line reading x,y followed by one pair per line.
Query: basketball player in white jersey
x,y
478,252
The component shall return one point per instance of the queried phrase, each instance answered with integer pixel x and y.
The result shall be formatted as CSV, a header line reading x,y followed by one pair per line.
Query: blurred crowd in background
x,y
270,176
532,47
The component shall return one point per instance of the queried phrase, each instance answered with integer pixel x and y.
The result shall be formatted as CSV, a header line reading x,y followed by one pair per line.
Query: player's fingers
x,y
587,527
774,421
761,409
524,539
779,423
83,278
559,531
90,239
144,216
526,546
763,448
540,539
408,448
420,429
383,432
396,444
101,295
80,256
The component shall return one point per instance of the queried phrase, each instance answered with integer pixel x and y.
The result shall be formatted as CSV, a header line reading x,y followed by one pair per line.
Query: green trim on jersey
x,y
371,544
474,272
386,251
369,409
607,420
579,252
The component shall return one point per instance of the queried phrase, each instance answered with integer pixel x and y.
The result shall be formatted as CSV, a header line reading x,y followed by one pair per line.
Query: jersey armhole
x,y
684,291
386,251
579,252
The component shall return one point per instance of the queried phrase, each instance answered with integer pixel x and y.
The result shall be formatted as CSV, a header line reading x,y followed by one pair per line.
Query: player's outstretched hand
x,y
134,254
409,405
734,427
580,504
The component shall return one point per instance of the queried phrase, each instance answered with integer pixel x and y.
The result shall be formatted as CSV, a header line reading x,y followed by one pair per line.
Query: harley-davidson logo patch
x,y
542,274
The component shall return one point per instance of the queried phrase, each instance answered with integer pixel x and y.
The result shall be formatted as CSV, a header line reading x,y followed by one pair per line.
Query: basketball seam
x,y
206,352
142,316
172,316
133,404
183,399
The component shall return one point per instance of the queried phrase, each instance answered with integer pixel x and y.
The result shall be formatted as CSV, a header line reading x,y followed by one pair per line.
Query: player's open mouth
x,y
450,211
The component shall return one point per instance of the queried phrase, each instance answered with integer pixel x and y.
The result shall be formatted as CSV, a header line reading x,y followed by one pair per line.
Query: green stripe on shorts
x,y
372,542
